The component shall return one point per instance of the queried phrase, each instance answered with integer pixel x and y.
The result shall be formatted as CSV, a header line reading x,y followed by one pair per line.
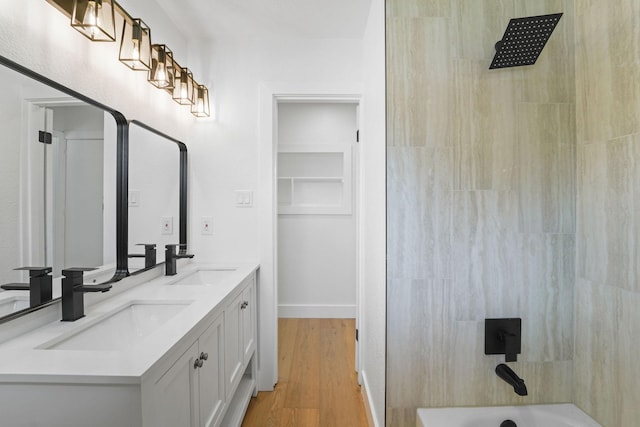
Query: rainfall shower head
x,y
523,40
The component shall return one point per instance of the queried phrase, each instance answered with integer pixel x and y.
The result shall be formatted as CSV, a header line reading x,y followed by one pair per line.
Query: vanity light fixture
x,y
161,73
94,19
183,86
200,107
135,46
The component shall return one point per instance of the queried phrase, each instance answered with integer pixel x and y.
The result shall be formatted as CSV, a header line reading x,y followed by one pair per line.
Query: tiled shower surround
x,y
513,193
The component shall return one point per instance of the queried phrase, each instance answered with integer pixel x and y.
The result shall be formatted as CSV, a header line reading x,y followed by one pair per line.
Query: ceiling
x,y
211,19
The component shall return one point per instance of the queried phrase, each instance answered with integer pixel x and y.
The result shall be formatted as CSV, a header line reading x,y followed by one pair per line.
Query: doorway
x,y
317,215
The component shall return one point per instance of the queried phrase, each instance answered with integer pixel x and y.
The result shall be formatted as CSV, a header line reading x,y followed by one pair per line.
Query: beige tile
x,y
419,215
483,127
608,72
486,254
591,218
546,165
418,8
418,82
478,25
595,366
546,297
418,319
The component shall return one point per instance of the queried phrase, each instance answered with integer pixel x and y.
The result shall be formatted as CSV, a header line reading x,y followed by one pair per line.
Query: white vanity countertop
x,y
22,361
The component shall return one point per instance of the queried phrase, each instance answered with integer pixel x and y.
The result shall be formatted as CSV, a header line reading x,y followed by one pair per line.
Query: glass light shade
x,y
94,19
183,86
161,73
135,46
200,106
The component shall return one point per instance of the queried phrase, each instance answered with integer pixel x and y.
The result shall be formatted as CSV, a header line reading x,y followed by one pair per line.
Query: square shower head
x,y
523,40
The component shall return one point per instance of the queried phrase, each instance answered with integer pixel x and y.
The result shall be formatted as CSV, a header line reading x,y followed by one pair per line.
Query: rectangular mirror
x,y
60,182
157,193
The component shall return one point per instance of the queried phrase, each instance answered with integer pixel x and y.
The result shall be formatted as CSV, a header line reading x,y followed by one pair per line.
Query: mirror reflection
x,y
154,194
57,178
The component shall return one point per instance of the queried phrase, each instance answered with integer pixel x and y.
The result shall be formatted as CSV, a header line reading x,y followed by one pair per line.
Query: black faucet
x,y
149,254
170,257
73,293
510,377
39,286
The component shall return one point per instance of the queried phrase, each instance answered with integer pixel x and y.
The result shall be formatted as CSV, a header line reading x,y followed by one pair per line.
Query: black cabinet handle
x,y
244,305
197,364
204,356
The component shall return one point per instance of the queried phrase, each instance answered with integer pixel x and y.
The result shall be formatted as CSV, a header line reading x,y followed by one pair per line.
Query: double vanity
x,y
154,351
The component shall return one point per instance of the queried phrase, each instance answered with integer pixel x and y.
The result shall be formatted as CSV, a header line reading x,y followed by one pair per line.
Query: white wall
x,y
10,121
373,220
224,154
316,253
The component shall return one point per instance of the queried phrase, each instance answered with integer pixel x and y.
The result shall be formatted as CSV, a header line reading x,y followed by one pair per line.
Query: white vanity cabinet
x,y
196,387
191,392
239,332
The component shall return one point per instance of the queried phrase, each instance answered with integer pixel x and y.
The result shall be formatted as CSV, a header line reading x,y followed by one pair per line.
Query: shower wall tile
x,y
419,185
546,160
591,221
480,221
608,211
608,81
418,82
418,319
486,254
478,25
483,127
546,297
419,9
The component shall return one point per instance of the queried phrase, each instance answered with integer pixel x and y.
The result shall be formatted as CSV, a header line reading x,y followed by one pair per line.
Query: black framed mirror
x,y
157,210
63,184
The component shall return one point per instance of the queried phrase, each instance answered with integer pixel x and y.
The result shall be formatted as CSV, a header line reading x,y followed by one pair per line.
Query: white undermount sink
x,y
205,277
120,328
13,304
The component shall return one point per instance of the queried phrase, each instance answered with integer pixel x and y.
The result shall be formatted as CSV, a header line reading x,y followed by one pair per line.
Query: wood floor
x,y
317,383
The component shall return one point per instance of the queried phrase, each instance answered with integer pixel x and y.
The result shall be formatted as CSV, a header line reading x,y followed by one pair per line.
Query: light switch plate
x,y
244,198
167,225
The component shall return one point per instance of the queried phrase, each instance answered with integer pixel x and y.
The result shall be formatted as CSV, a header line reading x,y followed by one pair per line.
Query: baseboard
x,y
368,405
309,311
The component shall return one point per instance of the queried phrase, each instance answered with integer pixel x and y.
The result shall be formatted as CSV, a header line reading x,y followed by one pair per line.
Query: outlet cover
x,y
134,198
167,225
206,225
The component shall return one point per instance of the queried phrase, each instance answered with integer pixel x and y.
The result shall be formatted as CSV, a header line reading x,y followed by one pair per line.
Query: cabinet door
x,y
212,374
248,310
233,356
175,394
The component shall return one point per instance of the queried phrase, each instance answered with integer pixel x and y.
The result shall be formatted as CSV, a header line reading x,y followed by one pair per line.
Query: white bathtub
x,y
557,415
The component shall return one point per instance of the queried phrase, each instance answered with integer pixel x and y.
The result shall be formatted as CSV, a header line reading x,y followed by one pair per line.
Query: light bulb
x,y
161,74
91,17
183,91
135,54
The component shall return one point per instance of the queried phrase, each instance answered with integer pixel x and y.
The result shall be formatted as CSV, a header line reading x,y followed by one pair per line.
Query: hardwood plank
x,y
317,383
300,417
340,399
287,332
304,380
